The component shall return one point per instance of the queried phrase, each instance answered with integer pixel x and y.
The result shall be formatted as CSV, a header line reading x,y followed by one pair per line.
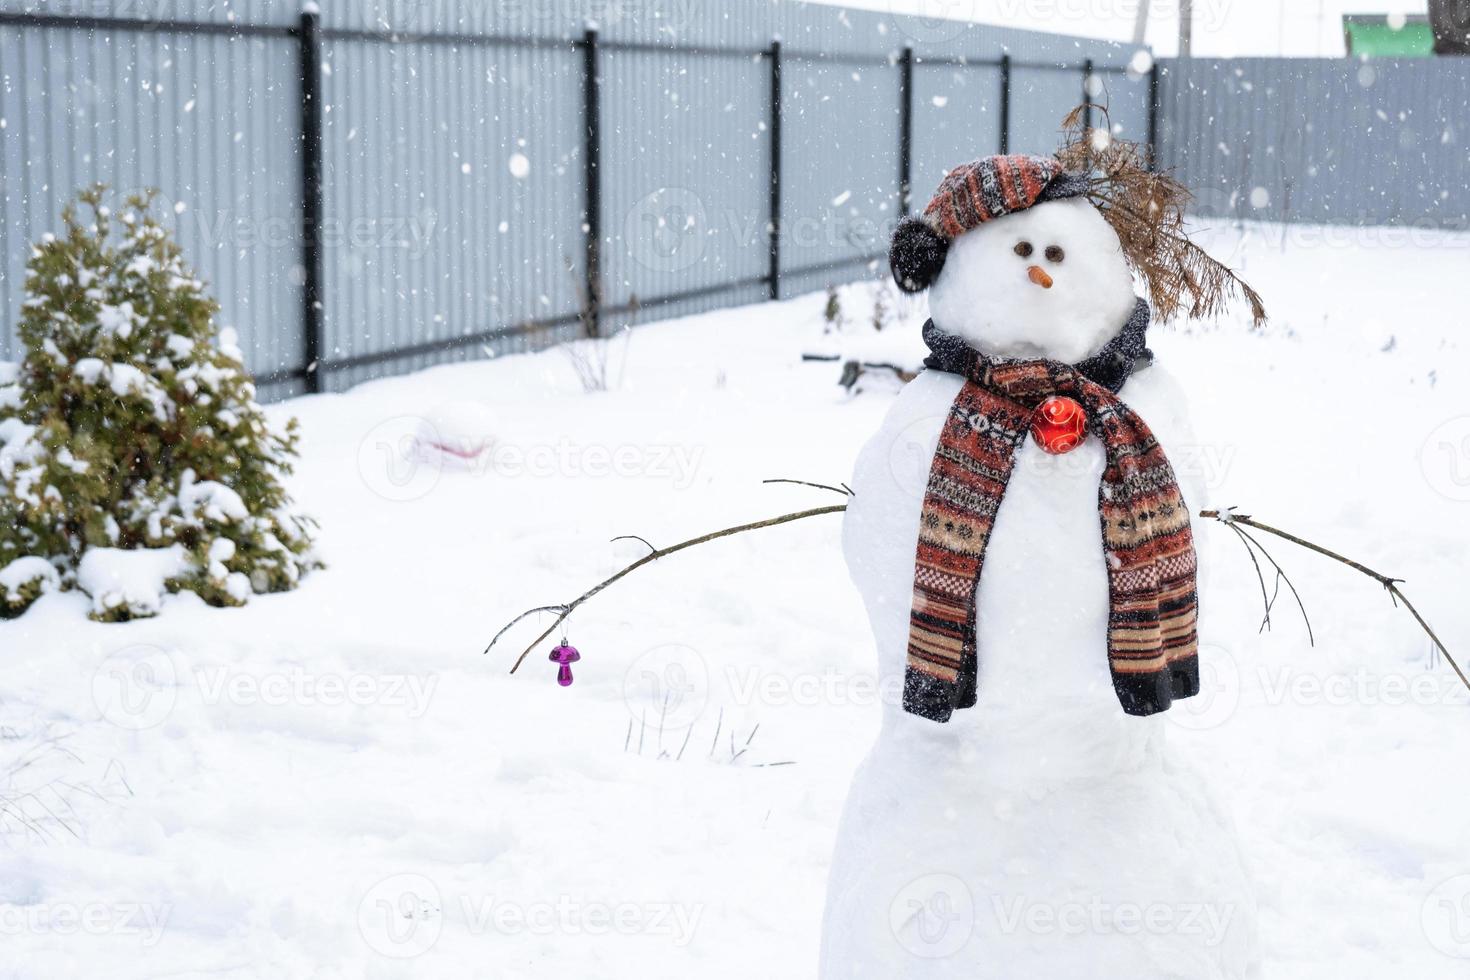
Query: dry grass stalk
x,y
1146,208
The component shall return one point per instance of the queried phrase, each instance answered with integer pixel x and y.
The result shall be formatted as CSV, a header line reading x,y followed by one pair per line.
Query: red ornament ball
x,y
1059,425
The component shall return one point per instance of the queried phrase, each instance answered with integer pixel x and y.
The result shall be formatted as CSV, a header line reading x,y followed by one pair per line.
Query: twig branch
x,y
528,612
566,609
1281,576
1260,577
844,489
1390,584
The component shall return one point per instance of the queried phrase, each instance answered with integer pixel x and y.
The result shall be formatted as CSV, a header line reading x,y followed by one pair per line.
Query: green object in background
x,y
1371,36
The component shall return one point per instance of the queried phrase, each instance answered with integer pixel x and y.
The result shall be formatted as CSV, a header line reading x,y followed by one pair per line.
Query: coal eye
x,y
1054,253
1024,249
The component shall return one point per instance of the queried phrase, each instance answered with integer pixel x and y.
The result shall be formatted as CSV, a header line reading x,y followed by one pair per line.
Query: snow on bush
x,y
129,584
131,426
23,581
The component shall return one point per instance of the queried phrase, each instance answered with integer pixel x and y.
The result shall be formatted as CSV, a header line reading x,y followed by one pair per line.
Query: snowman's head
x,y
1044,279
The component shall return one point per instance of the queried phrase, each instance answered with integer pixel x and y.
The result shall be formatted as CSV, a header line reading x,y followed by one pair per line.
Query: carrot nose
x,y
1038,275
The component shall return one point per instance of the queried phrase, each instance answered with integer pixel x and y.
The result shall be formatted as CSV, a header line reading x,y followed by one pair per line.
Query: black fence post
x,y
1153,116
592,177
1087,94
905,131
774,272
1005,104
309,39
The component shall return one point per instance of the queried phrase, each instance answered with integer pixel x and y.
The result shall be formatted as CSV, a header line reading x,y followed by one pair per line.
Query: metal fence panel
x,y
840,161
696,217
453,176
150,13
1125,95
1040,100
957,117
1324,141
199,117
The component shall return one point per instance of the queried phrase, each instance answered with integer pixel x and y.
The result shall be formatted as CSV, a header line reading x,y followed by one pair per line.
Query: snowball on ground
x,y
455,431
134,579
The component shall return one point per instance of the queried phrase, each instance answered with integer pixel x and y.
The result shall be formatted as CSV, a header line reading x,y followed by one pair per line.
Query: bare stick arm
x,y
564,610
844,489
1390,583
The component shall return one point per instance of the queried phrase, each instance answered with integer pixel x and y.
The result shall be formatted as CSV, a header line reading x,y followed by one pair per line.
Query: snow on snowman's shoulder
x,y
1154,379
1158,395
1162,400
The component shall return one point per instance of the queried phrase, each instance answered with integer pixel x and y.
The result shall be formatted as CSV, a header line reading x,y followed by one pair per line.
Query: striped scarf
x,y
1145,534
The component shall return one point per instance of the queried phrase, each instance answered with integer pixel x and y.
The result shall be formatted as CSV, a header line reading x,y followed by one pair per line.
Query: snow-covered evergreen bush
x,y
133,455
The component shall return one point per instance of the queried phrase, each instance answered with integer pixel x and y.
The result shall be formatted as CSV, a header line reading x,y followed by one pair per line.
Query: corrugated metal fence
x,y
438,196
454,149
1349,142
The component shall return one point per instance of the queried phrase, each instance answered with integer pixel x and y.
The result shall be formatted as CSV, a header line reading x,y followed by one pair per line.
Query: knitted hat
x,y
969,196
1144,205
990,187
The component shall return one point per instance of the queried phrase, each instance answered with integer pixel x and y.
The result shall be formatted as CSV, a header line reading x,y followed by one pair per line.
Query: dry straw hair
x,y
1146,209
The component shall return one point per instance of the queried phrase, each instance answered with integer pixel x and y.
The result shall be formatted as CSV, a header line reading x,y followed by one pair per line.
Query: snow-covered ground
x,y
336,783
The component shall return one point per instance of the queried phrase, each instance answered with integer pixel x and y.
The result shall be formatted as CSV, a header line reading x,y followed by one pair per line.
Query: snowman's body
x,y
1042,833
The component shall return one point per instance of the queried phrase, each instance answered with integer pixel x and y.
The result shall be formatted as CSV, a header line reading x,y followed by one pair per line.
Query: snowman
x,y
1020,815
